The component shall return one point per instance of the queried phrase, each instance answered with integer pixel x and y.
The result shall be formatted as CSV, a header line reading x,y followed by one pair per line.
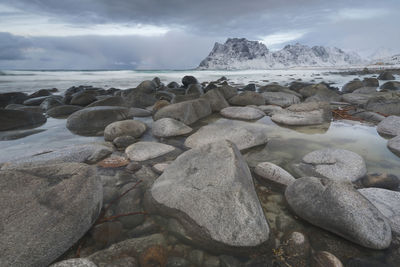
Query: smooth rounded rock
x,y
325,259
124,128
274,173
337,207
142,151
394,145
216,99
247,98
386,75
168,127
280,99
242,113
14,119
62,111
80,262
390,126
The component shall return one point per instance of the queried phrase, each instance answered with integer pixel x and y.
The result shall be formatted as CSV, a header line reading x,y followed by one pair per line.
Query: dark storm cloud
x,y
13,47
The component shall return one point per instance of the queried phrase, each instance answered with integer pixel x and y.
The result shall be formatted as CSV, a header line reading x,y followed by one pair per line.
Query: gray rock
x,y
12,98
357,98
242,113
319,92
274,173
131,202
386,103
325,259
83,98
124,128
247,98
269,109
211,192
139,112
14,119
351,86
50,103
93,121
370,82
168,127
216,99
188,80
62,111
139,97
391,86
390,126
337,207
394,145
249,87
387,202
36,101
123,142
142,151
227,91
46,210
75,153
177,262
365,90
109,101
79,262
243,134
386,75
25,108
194,88
382,180
336,164
147,87
278,88
187,112
173,85
366,115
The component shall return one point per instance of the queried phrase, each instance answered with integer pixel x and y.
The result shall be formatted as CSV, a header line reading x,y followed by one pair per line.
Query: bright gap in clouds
x,y
273,41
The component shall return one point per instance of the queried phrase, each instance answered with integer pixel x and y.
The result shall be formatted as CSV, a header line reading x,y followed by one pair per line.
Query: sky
x,y
178,34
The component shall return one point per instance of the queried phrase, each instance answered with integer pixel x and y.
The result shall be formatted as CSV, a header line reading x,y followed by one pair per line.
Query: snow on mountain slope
x,y
240,53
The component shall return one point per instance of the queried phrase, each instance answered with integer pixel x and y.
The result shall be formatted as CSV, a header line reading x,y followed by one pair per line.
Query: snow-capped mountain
x,y
392,60
240,53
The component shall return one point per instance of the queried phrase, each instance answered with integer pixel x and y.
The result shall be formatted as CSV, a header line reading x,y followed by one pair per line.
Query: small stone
x,y
274,173
325,259
124,128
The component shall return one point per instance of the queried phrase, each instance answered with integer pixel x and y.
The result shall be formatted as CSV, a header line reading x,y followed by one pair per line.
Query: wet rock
x,y
319,92
177,262
62,111
122,142
370,82
365,90
83,98
93,121
273,173
50,103
79,262
357,98
51,206
36,101
336,164
14,119
242,113
227,91
367,115
386,75
387,202
280,99
168,127
325,259
37,109
383,180
200,188
188,80
211,261
149,227
106,233
386,103
139,112
127,247
229,261
116,129
278,88
74,153
249,87
143,150
41,92
109,101
183,98
196,257
12,98
124,261
216,99
296,249
247,98
269,109
243,134
391,86
337,207
394,145
131,202
139,97
390,126
194,89
351,86
187,112
173,85
365,263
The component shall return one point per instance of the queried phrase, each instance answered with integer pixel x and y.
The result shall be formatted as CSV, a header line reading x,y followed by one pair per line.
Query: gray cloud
x,y
12,47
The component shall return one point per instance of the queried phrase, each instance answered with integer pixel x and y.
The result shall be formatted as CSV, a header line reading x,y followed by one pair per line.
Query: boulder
x,y
381,180
390,86
139,97
242,113
280,99
247,98
325,259
12,98
37,109
42,92
227,91
371,82
143,150
386,103
14,119
366,90
50,103
83,98
249,87
124,128
168,127
273,173
147,87
188,80
386,75
93,121
173,85
187,112
337,207
387,202
216,99
394,145
62,111
194,88
139,112
390,126
243,134
45,211
269,109
352,85
309,113
210,191
319,92
335,164
38,100
357,98
109,101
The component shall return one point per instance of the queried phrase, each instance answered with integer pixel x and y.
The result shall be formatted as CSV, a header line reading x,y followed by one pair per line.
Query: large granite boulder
x,y
370,82
242,113
93,121
394,145
390,126
280,99
387,202
386,103
210,191
83,98
337,207
227,91
62,111
242,134
46,210
247,98
319,92
386,75
309,113
109,101
216,99
116,129
140,97
14,119
393,85
187,112
12,98
351,86
335,164
168,127
188,80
